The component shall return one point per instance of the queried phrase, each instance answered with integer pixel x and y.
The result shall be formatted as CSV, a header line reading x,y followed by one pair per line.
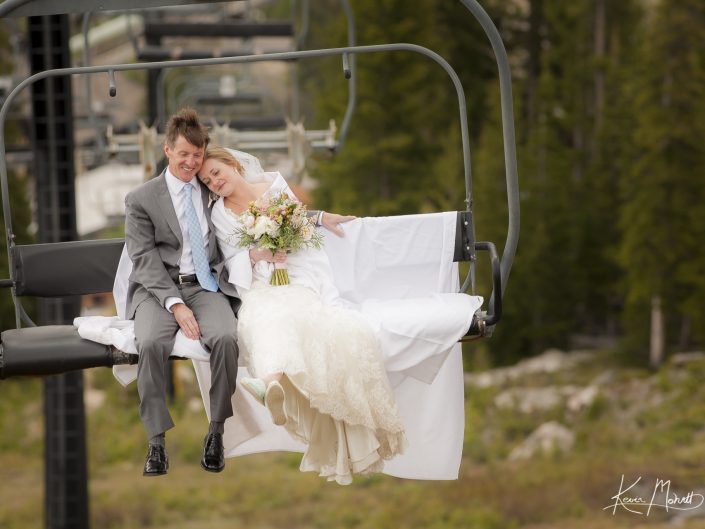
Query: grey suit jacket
x,y
154,243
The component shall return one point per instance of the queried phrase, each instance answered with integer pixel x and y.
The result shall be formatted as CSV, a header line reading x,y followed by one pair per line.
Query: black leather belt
x,y
189,279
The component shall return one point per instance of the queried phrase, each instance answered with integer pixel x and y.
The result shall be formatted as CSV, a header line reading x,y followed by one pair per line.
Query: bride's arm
x,y
329,220
236,258
316,261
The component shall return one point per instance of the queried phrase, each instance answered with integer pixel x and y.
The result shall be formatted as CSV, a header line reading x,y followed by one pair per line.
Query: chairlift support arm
x,y
509,140
17,7
28,8
111,69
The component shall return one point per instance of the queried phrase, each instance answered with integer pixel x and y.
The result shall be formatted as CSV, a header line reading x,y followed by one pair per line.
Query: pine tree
x,y
664,191
614,53
564,276
402,114
549,91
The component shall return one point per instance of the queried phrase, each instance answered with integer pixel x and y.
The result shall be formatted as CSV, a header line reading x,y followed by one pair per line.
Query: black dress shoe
x,y
157,462
213,459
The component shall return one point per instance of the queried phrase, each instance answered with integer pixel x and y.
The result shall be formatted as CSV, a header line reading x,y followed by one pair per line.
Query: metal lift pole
x,y
153,77
66,489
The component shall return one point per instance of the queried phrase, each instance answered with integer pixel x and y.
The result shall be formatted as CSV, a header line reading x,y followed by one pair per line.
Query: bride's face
x,y
218,177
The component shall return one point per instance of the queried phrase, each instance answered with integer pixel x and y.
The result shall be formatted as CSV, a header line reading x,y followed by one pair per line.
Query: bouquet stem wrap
x,y
280,275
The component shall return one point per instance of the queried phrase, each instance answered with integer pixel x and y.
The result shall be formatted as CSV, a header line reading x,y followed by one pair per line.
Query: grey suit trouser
x,y
155,332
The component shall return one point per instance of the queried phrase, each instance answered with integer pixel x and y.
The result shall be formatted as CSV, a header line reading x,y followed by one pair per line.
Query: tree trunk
x,y
533,60
684,340
658,338
600,48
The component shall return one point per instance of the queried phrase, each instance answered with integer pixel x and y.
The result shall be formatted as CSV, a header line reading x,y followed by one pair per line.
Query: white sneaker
x,y
255,387
274,401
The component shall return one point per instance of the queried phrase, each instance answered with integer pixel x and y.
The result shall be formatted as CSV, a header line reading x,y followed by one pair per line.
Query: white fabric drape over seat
x,y
399,272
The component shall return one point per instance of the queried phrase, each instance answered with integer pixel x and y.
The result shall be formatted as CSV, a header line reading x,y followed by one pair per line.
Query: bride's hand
x,y
330,221
259,254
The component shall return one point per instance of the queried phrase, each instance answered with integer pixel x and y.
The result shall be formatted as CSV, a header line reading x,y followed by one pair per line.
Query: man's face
x,y
184,158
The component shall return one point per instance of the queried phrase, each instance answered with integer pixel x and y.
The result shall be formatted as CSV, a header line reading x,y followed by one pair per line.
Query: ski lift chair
x,y
85,267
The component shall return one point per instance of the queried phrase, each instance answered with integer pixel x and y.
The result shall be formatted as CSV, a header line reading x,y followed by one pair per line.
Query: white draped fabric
x,y
399,273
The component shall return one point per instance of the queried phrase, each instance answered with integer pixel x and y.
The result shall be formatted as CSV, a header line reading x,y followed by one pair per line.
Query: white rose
x,y
248,220
260,227
306,232
272,228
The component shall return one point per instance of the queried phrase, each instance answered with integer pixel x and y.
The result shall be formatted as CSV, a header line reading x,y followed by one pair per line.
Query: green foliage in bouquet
x,y
277,222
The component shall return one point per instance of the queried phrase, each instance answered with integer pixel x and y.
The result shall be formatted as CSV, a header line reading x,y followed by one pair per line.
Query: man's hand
x,y
330,222
186,320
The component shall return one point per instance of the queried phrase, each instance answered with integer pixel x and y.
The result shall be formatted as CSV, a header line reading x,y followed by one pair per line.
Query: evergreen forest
x,y
609,108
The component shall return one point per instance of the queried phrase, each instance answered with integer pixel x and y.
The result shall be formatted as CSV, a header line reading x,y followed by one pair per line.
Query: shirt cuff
x,y
171,301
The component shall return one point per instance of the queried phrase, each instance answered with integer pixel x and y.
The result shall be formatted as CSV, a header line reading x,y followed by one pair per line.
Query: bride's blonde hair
x,y
224,156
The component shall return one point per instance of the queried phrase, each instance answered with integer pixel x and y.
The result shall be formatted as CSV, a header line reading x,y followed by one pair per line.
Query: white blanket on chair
x,y
399,272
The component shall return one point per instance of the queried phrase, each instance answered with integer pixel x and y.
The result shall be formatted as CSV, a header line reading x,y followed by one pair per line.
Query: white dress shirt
x,y
177,198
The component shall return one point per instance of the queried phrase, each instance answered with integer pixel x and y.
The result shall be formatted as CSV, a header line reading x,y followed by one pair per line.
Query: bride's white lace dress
x,y
337,396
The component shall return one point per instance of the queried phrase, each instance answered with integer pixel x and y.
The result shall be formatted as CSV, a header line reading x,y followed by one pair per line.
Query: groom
x,y
178,281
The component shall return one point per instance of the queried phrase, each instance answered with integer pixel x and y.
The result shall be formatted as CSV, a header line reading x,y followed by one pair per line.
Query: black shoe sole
x,y
211,469
152,474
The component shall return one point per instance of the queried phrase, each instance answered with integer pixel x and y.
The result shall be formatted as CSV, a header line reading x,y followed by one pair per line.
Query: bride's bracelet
x,y
319,219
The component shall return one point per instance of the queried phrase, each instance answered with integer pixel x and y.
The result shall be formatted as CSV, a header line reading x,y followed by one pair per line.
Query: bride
x,y
317,363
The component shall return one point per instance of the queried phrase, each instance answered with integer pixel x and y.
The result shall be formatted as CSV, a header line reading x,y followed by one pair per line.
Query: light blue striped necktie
x,y
198,249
